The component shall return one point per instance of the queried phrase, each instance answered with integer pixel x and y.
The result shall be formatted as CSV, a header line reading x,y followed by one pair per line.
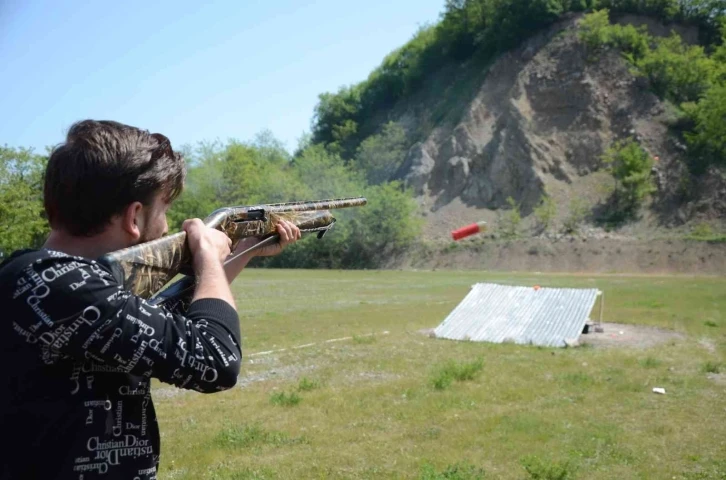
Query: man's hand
x,y
209,248
206,244
289,234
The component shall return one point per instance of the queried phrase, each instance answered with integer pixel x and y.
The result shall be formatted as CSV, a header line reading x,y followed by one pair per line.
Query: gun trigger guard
x,y
187,269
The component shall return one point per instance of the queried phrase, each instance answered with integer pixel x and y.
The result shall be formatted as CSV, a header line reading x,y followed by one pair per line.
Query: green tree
x,y
236,173
708,138
630,167
362,237
386,225
379,156
677,71
578,210
545,213
326,175
594,29
21,200
510,220
335,120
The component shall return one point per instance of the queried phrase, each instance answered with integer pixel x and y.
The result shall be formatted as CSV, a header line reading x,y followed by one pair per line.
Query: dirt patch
x,y
708,345
718,378
246,378
370,377
629,336
281,373
170,392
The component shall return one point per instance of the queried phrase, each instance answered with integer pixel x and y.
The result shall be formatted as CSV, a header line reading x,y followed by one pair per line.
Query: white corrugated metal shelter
x,y
525,315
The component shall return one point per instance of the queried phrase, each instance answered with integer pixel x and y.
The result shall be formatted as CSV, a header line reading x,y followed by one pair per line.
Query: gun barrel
x,y
330,204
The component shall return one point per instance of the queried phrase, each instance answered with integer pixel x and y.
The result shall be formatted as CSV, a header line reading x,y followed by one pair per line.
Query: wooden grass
x,y
368,407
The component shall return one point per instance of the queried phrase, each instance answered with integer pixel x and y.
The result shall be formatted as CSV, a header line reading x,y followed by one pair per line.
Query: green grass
x,y
306,385
452,371
245,436
705,233
364,339
539,469
711,367
285,399
368,409
452,472
650,362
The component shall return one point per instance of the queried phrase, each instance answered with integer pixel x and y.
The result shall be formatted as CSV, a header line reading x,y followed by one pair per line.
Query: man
x,y
77,351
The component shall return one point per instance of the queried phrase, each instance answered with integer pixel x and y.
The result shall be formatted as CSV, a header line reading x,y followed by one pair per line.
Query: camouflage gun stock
x,y
148,267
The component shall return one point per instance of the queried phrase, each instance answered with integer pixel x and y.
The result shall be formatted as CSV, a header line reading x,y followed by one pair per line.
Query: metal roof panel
x,y
525,315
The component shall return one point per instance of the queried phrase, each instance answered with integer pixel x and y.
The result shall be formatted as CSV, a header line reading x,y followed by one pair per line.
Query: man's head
x,y
107,174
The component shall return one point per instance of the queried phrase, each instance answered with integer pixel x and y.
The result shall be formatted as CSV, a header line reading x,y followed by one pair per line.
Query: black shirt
x,y
77,353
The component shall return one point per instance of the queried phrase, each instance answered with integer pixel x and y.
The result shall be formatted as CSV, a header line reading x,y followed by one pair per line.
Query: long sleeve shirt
x,y
77,353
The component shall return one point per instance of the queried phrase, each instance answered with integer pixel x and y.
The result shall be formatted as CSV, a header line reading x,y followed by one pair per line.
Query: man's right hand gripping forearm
x,y
209,248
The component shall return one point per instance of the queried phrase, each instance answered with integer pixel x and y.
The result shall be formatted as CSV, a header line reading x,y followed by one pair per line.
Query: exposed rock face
x,y
540,121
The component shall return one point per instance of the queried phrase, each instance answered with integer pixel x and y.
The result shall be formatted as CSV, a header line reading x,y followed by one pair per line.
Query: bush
x,y
596,33
630,167
677,71
380,156
458,471
708,138
594,29
539,469
386,225
702,230
711,367
510,220
285,399
545,213
307,385
452,371
576,217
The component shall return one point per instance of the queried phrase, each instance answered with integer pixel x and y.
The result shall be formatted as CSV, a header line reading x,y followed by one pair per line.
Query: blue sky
x,y
193,70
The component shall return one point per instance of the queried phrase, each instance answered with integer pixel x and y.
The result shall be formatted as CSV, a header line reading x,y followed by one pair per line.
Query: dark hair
x,y
103,167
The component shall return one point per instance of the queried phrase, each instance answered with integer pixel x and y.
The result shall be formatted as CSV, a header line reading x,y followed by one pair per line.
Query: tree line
x,y
244,173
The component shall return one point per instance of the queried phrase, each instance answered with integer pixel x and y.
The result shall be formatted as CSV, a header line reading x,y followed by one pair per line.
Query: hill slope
x,y
539,122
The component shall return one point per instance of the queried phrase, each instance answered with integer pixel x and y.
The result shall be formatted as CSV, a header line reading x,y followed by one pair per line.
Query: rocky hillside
x,y
537,120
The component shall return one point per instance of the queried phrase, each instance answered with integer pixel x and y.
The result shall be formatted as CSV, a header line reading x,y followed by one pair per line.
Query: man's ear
x,y
132,220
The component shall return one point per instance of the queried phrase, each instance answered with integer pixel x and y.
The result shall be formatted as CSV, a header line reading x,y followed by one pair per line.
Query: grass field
x,y
402,405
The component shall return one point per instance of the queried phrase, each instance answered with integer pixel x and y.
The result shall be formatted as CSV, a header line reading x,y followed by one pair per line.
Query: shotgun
x,y
148,267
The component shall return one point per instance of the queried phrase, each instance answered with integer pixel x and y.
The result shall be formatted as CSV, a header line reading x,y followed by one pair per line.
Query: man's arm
x,y
78,309
209,248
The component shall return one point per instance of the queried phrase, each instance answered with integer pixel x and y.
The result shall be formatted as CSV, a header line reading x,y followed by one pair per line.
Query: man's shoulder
x,y
48,264
19,260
